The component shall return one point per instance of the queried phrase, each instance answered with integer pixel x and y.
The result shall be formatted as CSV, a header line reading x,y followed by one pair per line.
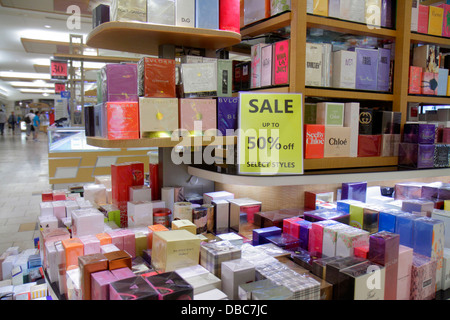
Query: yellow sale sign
x,y
270,134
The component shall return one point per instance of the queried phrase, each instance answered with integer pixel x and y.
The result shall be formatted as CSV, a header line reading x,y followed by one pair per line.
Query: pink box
x,y
116,238
316,235
100,284
404,288
405,259
280,73
91,244
123,273
59,195
129,242
291,227
423,19
197,114
59,209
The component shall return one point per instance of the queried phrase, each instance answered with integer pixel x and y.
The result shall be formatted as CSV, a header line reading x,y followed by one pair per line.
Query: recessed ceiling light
x,y
24,75
47,26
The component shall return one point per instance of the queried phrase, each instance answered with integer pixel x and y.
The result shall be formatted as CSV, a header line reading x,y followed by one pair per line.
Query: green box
x,y
330,114
224,78
310,113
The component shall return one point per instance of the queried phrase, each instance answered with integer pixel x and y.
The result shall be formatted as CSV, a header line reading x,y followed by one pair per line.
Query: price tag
x,y
60,87
270,134
58,70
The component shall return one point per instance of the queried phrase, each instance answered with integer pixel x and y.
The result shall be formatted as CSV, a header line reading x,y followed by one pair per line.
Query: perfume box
x,y
274,218
90,264
446,270
100,15
73,248
91,244
291,226
353,282
330,114
170,286
442,82
136,288
419,133
423,278
314,141
197,115
213,254
284,241
234,274
140,213
441,155
423,17
86,222
140,193
430,81
312,199
435,20
423,207
366,121
199,79
404,227
161,12
334,8
405,258
427,56
350,238
333,269
255,10
415,16
207,14
389,145
416,155
203,282
353,10
157,115
229,15
354,191
429,240
245,75
121,120
337,142
446,20
227,113
185,13
280,73
156,78
387,219
260,235
369,145
320,7
224,78
120,82
327,215
316,236
386,122
384,250
266,65
100,284
344,69
305,227
89,121
309,113
174,249
255,52
330,237
366,69
242,212
415,80
351,120
134,10
313,73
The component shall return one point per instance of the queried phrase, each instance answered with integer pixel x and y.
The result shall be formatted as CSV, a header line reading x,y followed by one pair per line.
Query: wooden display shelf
x,y
161,142
86,58
342,163
344,26
278,89
426,38
347,94
145,38
429,99
267,25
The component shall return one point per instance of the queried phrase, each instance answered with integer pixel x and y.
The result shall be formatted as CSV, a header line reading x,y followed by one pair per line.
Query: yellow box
x,y
435,21
175,249
447,205
320,7
184,224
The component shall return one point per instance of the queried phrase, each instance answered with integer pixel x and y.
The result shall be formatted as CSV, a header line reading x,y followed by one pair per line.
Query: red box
x,y
424,11
229,15
369,145
121,181
415,80
47,196
314,141
122,120
361,252
158,78
445,135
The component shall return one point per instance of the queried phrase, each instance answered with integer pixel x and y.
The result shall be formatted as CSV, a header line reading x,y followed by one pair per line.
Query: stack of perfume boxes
x,y
433,19
254,11
428,74
334,129
213,14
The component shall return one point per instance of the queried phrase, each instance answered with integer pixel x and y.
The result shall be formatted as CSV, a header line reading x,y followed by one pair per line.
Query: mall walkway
x,y
23,176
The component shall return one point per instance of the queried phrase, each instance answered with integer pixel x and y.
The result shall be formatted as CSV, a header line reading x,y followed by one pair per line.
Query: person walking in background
x,y
3,120
29,122
12,121
36,124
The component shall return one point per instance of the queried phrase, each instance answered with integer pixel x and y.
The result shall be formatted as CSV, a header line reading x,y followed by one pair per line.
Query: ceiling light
x,y
47,26
37,91
34,84
45,94
24,75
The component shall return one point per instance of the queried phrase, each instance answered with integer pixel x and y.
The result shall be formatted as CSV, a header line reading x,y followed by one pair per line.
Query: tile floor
x,y
23,176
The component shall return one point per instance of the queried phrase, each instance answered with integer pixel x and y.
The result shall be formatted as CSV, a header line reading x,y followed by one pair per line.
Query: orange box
x,y
73,248
154,228
122,120
104,238
118,259
314,141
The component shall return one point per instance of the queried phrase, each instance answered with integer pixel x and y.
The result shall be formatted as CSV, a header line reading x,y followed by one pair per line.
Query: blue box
x,y
354,191
404,227
387,220
207,14
427,233
260,235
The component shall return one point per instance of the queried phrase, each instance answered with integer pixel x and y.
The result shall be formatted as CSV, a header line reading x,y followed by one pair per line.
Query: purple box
x,y
384,69
305,226
260,235
123,273
423,207
285,241
100,282
136,288
408,190
415,155
326,214
430,191
354,191
419,133
120,83
366,69
227,113
386,14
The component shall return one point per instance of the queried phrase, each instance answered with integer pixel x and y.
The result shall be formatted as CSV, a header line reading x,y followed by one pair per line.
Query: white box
x,y
415,15
327,57
351,119
46,208
350,238
48,222
235,273
235,239
330,237
8,265
446,270
353,10
344,69
106,248
140,193
50,264
95,193
204,282
214,294
443,216
313,64
199,79
158,204
209,197
161,12
70,206
266,65
128,10
185,13
140,213
87,222
256,65
238,216
222,214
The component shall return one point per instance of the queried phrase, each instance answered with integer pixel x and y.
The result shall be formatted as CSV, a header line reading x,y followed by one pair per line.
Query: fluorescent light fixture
x,y
37,91
45,94
23,84
24,75
39,34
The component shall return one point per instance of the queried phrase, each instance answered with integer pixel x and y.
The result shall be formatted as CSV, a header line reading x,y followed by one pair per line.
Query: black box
x,y
100,15
89,121
171,286
366,121
387,122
